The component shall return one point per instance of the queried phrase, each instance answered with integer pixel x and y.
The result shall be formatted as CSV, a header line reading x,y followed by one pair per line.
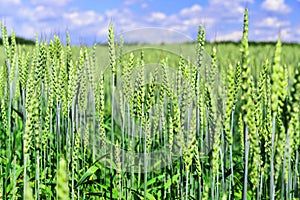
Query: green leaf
x,y
153,180
115,192
150,196
107,160
105,187
88,173
141,195
169,182
17,174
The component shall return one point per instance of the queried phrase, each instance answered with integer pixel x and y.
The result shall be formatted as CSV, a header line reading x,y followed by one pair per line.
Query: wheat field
x,y
148,124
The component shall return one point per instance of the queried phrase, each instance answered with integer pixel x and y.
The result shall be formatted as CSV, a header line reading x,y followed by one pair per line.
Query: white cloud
x,y
178,28
155,35
191,22
130,2
123,20
272,22
233,36
257,32
102,31
28,31
48,20
156,16
222,1
81,19
270,38
189,18
193,10
144,5
226,11
297,30
38,13
8,8
119,13
185,20
52,3
277,6
194,22
11,2
286,35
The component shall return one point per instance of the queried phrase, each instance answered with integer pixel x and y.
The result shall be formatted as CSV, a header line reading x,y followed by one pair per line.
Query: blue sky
x,y
87,20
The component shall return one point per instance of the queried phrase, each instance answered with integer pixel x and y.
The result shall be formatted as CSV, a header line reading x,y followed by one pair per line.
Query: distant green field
x,y
226,52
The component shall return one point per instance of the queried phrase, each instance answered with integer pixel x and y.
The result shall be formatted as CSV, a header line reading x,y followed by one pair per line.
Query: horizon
x,y
32,42
88,23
